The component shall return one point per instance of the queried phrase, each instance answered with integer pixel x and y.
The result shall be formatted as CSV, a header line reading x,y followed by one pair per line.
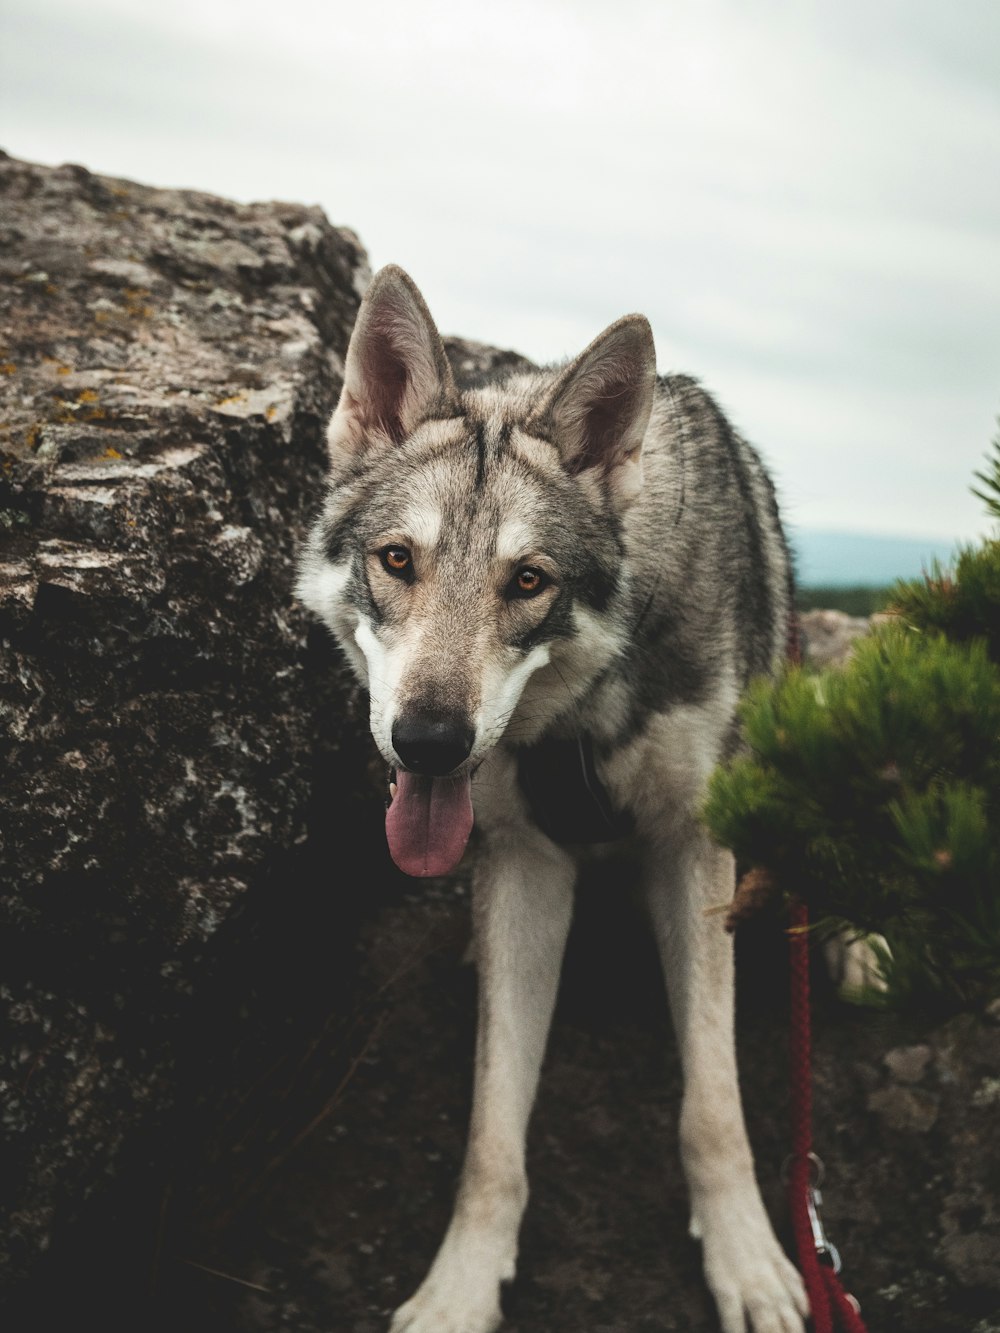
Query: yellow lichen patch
x,y
86,396
7,368
271,412
135,302
64,370
111,453
233,398
32,434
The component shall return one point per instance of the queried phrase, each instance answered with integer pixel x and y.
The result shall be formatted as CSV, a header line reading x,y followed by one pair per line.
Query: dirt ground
x,y
343,1222
327,1062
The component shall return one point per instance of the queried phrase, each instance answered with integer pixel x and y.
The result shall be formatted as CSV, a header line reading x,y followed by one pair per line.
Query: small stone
x,y
908,1064
988,1093
829,636
904,1108
974,1258
336,1271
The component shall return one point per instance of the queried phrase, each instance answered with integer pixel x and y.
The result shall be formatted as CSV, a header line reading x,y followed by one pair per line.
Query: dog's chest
x,y
568,800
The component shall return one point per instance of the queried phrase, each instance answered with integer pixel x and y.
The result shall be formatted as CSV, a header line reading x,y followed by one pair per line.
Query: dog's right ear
x,y
396,374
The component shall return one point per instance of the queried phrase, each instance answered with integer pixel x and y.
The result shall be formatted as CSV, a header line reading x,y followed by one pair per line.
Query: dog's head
x,y
471,543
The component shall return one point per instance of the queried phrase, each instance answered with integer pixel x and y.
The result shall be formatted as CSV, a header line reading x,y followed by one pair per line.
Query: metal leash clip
x,y
825,1248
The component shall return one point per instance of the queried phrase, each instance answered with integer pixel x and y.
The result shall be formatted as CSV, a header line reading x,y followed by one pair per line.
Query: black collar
x,y
569,802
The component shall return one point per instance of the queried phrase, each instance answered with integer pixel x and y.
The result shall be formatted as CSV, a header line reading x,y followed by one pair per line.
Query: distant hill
x,y
859,559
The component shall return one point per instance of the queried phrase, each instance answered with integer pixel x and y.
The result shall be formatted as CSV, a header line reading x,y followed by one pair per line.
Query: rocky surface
x,y
236,1045
168,362
828,636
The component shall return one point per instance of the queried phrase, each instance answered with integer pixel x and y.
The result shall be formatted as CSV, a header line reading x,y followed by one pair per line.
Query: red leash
x,y
833,1309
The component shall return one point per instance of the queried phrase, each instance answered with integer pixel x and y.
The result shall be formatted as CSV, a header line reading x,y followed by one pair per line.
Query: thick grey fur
x,y
666,595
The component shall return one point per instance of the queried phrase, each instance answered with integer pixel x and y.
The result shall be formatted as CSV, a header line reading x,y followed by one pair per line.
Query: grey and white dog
x,y
555,586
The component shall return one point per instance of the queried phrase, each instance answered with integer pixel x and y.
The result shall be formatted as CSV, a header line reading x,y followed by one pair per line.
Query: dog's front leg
x,y
522,904
745,1267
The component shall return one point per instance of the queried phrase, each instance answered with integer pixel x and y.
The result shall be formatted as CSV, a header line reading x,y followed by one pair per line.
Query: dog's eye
x,y
527,582
396,560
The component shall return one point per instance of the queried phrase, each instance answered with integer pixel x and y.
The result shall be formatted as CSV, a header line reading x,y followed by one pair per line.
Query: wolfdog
x,y
555,585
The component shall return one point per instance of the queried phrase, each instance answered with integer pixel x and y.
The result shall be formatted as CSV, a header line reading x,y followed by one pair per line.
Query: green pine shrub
x,y
862,600
872,791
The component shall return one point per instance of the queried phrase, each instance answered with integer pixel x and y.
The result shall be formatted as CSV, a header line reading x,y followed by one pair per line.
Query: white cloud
x,y
804,199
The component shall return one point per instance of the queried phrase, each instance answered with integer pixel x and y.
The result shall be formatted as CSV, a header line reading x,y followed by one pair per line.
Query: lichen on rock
x,y
170,359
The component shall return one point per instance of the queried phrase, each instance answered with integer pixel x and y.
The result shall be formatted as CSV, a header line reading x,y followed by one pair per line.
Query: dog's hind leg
x,y
748,1273
522,904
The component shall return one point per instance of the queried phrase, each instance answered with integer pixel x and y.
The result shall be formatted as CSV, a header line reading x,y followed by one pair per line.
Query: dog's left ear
x,y
598,409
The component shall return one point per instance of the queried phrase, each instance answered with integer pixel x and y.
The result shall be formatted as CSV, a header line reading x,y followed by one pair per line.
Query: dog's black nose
x,y
432,745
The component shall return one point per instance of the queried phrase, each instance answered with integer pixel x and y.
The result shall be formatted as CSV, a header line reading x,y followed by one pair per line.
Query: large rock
x,y
179,741
170,360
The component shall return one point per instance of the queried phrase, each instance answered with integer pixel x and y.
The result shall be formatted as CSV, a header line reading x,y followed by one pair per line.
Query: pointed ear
x,y
396,373
598,409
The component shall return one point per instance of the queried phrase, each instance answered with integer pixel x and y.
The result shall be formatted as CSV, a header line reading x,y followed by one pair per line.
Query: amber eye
x,y
527,582
396,560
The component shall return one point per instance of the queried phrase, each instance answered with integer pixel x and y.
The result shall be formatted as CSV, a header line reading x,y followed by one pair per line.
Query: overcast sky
x,y
804,198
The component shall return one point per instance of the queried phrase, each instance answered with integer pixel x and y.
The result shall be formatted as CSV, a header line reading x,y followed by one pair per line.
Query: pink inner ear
x,y
606,421
385,381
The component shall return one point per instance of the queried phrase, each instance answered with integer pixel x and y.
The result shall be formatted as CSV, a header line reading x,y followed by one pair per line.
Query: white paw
x,y
754,1283
461,1293
438,1309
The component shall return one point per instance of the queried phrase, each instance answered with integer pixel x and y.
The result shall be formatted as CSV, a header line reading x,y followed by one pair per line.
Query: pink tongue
x,y
428,823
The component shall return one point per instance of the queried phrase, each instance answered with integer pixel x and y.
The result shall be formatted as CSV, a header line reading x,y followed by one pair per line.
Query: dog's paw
x,y
436,1309
754,1284
461,1293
